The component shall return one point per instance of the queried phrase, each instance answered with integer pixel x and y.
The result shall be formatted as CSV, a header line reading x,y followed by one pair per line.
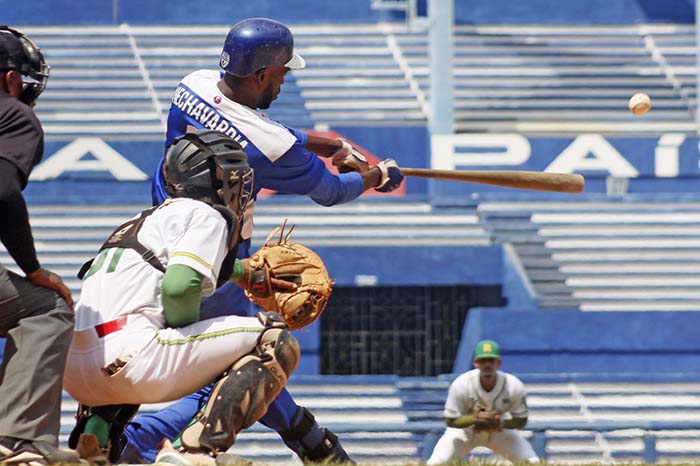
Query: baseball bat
x,y
541,181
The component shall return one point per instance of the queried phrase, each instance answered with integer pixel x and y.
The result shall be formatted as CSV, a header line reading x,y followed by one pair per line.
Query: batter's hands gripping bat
x,y
541,181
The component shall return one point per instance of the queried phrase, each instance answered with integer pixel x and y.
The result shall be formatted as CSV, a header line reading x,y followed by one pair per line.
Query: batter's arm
x,y
324,147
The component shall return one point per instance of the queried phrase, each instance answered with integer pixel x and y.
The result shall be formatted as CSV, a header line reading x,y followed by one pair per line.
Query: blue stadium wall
x,y
338,11
533,337
670,163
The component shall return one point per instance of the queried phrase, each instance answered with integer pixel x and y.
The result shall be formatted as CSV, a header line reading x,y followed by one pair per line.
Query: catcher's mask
x,y
19,53
211,167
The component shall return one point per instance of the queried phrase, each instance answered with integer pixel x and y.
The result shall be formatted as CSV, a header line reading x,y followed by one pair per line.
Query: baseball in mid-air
x,y
639,104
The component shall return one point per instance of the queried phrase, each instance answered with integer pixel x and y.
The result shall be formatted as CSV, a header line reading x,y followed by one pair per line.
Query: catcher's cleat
x,y
18,452
179,457
89,449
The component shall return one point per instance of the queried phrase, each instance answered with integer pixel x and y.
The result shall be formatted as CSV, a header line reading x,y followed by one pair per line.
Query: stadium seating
x,y
604,255
118,81
554,79
67,236
385,419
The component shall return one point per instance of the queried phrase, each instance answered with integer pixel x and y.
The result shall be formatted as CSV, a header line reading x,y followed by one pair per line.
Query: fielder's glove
x,y
391,176
293,263
348,159
488,421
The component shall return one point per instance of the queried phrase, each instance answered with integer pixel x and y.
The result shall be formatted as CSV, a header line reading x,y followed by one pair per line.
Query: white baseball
x,y
639,104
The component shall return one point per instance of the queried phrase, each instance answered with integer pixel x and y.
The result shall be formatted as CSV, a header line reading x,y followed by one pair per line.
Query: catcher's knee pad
x,y
243,394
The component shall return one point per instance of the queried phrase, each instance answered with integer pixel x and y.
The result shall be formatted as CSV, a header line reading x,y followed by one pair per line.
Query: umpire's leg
x,y
38,326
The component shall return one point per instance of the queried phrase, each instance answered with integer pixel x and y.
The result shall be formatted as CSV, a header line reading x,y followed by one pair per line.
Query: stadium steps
x,y
532,78
96,87
356,58
593,402
607,255
386,419
117,82
516,228
67,236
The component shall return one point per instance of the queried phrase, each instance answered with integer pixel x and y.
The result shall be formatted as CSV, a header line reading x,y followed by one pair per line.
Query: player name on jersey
x,y
208,117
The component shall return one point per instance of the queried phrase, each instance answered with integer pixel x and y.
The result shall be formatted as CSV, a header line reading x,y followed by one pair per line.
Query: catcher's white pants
x,y
456,443
144,364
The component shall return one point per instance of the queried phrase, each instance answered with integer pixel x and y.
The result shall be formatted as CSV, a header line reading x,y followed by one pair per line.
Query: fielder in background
x,y
36,313
485,407
256,56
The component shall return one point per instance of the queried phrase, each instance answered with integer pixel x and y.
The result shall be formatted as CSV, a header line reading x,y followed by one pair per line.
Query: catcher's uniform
x,y
467,396
122,352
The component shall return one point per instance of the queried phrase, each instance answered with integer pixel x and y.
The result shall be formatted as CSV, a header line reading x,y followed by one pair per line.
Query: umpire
x,y
36,313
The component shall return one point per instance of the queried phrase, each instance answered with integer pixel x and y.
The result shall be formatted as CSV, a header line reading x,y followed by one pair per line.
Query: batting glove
x,y
391,176
347,159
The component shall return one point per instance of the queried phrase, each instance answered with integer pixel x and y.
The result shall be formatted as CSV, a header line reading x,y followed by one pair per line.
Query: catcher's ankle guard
x,y
243,394
317,444
117,416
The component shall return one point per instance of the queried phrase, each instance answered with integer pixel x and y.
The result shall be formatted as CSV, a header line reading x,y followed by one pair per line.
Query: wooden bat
x,y
541,181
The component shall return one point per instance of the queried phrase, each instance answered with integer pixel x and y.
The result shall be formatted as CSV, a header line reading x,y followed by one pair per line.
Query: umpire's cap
x,y
256,43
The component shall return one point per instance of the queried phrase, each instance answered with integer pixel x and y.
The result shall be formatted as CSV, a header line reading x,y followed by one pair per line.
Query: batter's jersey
x,y
181,231
467,396
276,152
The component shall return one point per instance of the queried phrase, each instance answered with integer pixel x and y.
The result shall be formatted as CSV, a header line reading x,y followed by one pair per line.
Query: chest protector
x,y
126,236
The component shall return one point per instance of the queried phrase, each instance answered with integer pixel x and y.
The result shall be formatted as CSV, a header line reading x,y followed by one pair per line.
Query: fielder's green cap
x,y
487,349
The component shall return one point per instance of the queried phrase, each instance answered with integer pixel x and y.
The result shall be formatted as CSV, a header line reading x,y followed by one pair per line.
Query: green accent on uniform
x,y
115,258
181,295
238,271
515,423
206,336
461,422
193,257
97,264
99,427
487,349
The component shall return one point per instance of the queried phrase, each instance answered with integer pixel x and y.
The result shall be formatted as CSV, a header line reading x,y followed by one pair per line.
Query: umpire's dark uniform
x,y
37,323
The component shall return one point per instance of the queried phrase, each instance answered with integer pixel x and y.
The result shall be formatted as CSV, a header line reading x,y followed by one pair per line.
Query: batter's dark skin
x,y
259,89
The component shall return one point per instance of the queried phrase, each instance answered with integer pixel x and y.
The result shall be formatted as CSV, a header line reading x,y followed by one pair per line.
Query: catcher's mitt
x,y
487,421
295,263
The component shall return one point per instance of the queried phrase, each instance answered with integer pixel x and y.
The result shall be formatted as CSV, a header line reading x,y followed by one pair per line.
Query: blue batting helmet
x,y
256,43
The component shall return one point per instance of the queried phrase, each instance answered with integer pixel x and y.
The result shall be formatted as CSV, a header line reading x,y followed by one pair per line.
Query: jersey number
x,y
102,257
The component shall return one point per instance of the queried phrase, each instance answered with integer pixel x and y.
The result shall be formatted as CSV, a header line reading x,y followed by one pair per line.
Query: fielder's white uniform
x,y
145,362
467,396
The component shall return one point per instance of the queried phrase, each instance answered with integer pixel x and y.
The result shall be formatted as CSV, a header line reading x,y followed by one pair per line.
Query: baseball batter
x,y
256,56
138,337
485,407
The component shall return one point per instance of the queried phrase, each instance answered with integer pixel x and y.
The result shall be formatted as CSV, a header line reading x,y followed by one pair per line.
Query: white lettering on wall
x,y
68,159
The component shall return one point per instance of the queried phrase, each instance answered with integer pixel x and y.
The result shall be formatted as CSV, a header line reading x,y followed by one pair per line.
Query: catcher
x,y
484,407
138,336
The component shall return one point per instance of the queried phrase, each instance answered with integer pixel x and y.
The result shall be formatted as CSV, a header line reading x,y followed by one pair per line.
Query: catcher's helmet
x,y
256,43
211,167
19,53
